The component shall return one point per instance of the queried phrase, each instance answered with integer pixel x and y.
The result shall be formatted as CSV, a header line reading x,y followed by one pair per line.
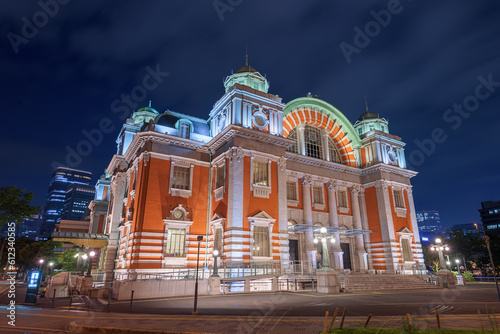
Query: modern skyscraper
x,y
429,224
490,215
61,178
78,197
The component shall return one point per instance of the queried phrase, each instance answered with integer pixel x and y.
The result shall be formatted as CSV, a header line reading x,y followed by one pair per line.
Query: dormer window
x,y
184,129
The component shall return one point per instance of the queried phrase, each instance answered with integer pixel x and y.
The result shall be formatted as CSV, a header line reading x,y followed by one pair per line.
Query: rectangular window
x,y
181,178
220,176
398,199
318,195
176,241
260,175
291,191
342,199
261,241
218,240
407,253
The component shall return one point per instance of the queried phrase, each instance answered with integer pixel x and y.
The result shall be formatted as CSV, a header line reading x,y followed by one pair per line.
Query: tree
x,y
15,205
67,260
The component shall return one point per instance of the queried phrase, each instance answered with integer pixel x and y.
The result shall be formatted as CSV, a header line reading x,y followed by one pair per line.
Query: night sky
x,y
69,74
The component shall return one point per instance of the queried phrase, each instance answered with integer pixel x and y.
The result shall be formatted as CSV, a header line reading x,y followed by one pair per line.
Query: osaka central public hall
x,y
262,181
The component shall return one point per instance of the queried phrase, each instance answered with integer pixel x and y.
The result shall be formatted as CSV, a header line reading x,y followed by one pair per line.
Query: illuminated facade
x,y
258,180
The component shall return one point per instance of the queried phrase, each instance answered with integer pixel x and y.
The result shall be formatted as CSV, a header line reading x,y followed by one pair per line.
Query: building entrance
x,y
347,254
294,249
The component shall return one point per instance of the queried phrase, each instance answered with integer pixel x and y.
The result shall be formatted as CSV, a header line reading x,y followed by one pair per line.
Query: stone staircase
x,y
351,283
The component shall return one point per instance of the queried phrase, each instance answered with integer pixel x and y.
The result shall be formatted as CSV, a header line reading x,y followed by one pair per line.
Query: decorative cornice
x,y
323,164
388,169
237,131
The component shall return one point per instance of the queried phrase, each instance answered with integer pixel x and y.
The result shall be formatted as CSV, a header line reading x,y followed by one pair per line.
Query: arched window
x,y
334,154
184,129
312,139
293,136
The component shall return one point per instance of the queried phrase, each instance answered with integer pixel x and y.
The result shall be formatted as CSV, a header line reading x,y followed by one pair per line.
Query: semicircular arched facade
x,y
309,111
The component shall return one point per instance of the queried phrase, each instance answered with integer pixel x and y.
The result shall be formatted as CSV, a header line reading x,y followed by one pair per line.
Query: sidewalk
x,y
118,323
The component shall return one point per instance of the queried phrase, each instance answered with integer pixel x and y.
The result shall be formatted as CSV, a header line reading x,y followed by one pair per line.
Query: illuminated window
x,y
261,241
312,139
176,241
334,154
260,174
342,199
181,178
398,199
318,195
406,250
291,191
293,136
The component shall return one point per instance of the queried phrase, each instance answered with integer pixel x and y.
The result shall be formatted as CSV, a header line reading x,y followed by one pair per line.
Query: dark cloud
x,y
428,58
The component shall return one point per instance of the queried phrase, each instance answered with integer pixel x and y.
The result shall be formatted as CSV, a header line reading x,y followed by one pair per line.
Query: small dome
x,y
368,115
245,69
148,109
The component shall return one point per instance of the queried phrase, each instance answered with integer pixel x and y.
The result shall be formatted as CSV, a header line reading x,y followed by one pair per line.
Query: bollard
x,y
333,319
287,285
53,297
437,317
296,286
71,297
368,320
131,300
326,322
343,318
312,285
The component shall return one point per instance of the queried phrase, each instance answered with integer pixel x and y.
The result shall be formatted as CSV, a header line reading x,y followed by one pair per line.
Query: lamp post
x,y
84,257
195,309
487,241
325,258
77,256
41,264
216,272
448,265
439,247
50,267
458,266
89,271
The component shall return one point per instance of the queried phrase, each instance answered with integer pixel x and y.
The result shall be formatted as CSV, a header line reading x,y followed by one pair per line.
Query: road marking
x,y
249,319
36,330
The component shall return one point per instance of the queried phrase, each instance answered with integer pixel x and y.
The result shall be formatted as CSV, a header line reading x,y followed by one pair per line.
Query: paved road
x,y
265,312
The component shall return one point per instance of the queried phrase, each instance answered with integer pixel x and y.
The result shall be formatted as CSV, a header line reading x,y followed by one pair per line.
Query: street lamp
x,y
84,257
458,265
216,272
89,271
448,264
325,259
41,264
50,267
195,309
439,247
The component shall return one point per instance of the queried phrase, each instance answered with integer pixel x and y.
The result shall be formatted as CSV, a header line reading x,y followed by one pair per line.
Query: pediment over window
x,y
261,218
405,231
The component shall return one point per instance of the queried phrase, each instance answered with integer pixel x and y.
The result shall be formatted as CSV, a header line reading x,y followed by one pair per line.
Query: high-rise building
x,y
429,224
61,178
471,228
78,197
99,206
262,181
490,216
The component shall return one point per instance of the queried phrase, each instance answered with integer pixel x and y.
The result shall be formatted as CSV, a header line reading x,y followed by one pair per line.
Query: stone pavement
x,y
256,325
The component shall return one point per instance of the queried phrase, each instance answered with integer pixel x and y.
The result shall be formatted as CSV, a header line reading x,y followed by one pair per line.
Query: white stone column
x,y
386,224
113,221
338,260
365,226
324,141
308,220
235,205
301,143
282,212
414,225
356,222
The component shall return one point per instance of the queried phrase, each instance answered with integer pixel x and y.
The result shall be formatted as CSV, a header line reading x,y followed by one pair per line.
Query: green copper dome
x,y
248,76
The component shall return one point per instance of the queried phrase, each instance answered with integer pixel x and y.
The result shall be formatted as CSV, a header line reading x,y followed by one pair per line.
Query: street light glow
x,y
323,239
41,261
332,240
447,248
76,255
432,248
438,240
51,264
322,230
92,253
84,256
216,252
457,260
315,241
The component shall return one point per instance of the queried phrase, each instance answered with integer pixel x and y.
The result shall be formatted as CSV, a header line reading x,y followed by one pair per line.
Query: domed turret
x,y
248,76
369,121
144,114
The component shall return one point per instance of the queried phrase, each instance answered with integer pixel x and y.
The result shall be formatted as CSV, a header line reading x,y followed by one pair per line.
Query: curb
x,y
75,328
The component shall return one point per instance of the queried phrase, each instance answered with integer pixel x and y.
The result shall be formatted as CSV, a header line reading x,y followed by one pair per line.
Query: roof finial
x,y
150,103
246,55
366,103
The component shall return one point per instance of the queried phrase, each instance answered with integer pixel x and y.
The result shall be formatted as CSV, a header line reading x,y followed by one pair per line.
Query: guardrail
x,y
484,279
